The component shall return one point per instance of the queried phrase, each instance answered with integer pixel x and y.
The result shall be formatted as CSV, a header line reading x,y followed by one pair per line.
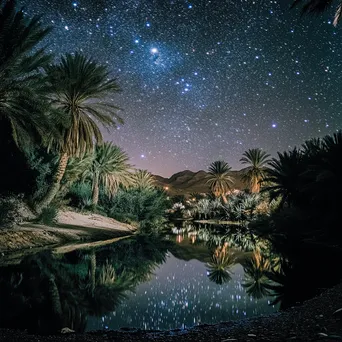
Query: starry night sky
x,y
205,80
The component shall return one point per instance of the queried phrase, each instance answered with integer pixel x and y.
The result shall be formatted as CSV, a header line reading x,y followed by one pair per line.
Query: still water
x,y
188,277
180,294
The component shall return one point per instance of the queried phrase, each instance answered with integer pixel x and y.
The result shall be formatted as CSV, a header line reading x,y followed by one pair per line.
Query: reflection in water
x,y
180,294
219,267
256,279
199,274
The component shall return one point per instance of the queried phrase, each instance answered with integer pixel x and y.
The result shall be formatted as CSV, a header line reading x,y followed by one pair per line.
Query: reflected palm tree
x,y
255,276
219,268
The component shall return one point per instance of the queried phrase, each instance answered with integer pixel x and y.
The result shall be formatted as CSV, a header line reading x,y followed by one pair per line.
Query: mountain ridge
x,y
187,182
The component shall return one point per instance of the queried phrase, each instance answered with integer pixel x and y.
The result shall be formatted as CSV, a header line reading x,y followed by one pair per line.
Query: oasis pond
x,y
189,276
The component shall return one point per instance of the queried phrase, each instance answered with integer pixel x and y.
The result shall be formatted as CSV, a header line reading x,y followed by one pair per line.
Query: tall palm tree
x,y
110,169
219,179
324,172
75,170
319,6
22,107
284,177
257,161
312,148
82,90
143,179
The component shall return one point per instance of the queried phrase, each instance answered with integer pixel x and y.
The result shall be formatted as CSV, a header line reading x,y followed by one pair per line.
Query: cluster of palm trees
x,y
60,105
221,182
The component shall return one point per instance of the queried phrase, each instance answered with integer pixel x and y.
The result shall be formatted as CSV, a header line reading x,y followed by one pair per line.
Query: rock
x,y
67,331
251,335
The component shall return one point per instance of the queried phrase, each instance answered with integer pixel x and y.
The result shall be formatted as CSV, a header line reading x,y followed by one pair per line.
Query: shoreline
x,y
71,228
317,319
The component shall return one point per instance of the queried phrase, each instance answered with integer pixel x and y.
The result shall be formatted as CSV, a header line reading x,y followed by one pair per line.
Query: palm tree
x,y
284,177
143,179
319,6
75,170
22,106
312,148
221,263
324,173
257,161
219,179
81,89
110,169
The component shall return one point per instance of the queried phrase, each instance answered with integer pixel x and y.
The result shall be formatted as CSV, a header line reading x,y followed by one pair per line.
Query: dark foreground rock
x,y
318,319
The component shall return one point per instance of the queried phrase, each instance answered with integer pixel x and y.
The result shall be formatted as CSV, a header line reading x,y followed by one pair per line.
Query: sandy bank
x,y
70,227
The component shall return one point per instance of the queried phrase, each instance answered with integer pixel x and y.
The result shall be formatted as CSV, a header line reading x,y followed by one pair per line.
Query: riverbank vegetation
x,y
52,110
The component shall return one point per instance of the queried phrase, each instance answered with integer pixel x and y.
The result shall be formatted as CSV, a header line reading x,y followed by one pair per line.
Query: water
x,y
191,276
180,295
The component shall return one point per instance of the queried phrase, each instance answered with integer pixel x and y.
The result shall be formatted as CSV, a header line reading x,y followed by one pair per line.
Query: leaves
x,y
22,84
81,89
218,177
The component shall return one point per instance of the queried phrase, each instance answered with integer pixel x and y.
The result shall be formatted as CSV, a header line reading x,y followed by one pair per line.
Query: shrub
x,y
48,216
243,206
80,195
10,211
139,205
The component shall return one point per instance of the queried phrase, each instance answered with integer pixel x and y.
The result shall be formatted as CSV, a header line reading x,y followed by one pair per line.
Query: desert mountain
x,y
187,182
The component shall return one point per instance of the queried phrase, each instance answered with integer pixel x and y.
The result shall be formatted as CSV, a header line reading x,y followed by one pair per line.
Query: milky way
x,y
206,80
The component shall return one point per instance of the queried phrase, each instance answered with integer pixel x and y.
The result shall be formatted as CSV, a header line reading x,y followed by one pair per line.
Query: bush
x,y
243,206
10,211
80,195
48,216
138,205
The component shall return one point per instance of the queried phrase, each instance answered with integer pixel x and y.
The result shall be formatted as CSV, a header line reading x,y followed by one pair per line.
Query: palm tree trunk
x,y
51,194
95,189
255,187
93,271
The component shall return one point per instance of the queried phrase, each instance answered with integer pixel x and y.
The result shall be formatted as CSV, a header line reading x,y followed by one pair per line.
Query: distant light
x,y
148,24
190,6
154,50
142,156
74,4
274,125
66,27
136,41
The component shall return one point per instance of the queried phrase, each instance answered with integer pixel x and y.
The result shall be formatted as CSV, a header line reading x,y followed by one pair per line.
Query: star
x,y
248,68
